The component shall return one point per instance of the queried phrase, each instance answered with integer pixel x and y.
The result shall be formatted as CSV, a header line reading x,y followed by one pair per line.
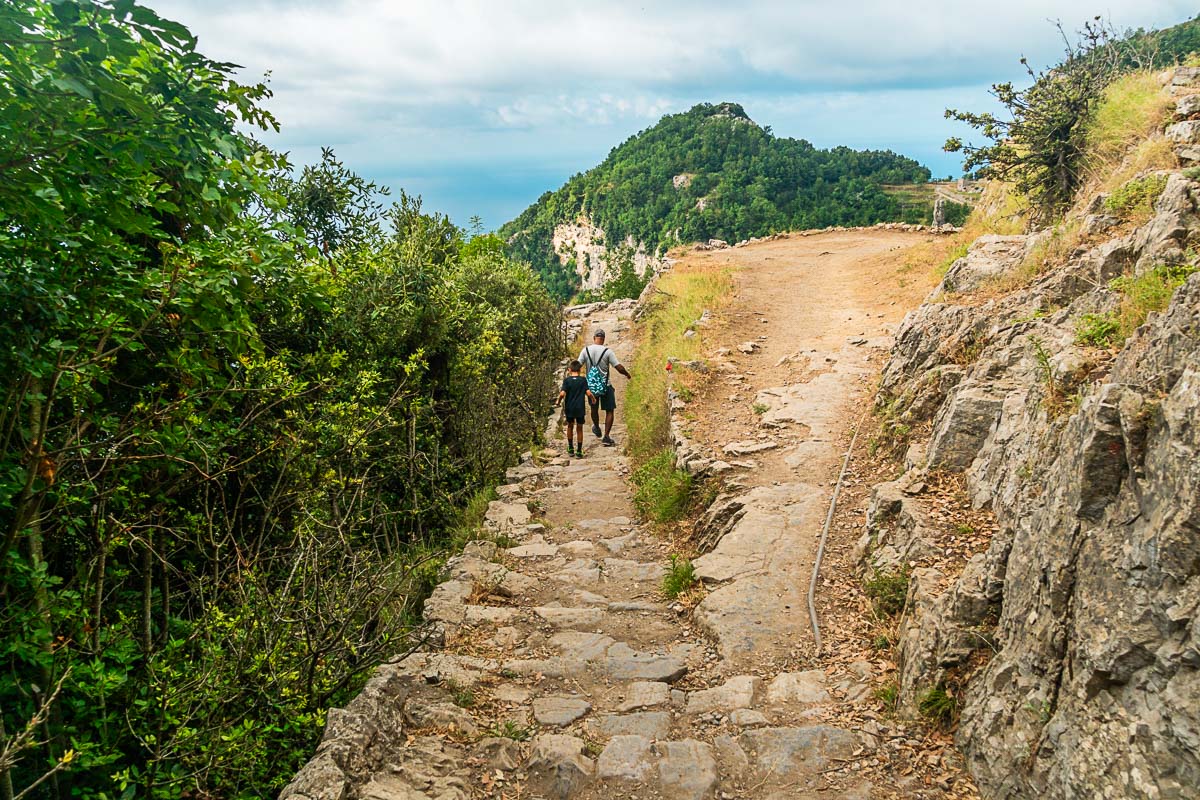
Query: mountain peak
x,y
724,110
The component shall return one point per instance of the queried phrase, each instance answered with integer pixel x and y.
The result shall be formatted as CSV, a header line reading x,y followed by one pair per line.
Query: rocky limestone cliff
x,y
1073,642
588,247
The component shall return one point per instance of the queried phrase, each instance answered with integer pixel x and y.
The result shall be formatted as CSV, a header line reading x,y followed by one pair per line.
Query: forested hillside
x,y
711,172
232,443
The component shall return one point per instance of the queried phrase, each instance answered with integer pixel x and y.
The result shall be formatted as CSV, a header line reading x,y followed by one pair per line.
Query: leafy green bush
x,y
680,577
1097,330
662,491
888,591
236,440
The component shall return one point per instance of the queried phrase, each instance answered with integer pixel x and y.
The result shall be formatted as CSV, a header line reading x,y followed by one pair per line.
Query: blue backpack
x,y
597,380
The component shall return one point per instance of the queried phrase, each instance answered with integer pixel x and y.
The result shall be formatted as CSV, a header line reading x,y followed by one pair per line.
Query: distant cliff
x,y
708,173
1060,371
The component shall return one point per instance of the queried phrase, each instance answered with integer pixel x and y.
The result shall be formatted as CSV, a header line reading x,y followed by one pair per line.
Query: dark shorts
x,y
608,400
573,417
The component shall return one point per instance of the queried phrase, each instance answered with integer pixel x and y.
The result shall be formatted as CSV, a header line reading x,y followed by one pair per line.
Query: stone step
x,y
779,762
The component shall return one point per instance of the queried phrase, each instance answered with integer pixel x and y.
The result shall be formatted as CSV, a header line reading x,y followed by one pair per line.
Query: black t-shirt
x,y
576,388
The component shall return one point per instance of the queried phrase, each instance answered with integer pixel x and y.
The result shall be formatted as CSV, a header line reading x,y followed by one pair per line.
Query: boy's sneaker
x,y
570,449
579,453
596,430
607,441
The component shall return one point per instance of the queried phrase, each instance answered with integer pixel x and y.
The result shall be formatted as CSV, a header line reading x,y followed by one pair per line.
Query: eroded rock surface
x,y
1086,605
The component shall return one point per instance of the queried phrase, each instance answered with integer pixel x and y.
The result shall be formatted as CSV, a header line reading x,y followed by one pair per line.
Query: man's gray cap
x,y
598,334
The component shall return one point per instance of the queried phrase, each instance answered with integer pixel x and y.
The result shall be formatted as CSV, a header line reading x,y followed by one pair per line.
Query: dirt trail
x,y
563,672
818,311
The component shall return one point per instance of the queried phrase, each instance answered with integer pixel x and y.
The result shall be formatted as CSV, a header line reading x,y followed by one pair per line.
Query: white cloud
x,y
401,84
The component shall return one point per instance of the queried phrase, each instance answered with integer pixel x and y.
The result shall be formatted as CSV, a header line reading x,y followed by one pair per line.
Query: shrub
x,y
888,591
680,577
1097,330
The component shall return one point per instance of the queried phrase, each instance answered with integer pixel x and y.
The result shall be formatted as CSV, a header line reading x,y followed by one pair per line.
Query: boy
x,y
575,391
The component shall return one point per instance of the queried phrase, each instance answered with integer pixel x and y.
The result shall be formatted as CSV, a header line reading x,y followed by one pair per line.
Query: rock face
x,y
1089,593
587,245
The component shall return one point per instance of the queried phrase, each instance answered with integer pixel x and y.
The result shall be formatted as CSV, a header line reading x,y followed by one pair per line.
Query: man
x,y
598,356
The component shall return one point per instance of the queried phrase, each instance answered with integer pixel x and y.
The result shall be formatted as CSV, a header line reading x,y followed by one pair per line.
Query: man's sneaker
x,y
596,430
607,441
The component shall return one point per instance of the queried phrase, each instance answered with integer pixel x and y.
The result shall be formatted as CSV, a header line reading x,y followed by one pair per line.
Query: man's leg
x,y
595,416
609,415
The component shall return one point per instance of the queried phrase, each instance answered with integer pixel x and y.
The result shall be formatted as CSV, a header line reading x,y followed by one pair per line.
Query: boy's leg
x,y
579,433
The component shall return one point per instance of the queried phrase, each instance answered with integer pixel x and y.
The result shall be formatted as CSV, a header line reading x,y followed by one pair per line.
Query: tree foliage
x,y
242,409
710,173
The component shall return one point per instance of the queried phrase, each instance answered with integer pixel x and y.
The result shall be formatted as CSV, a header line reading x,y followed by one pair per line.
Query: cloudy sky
x,y
481,105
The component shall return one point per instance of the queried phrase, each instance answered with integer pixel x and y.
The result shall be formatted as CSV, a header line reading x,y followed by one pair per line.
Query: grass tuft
x,y
1097,330
510,730
680,577
662,492
1150,291
938,706
888,694
1132,108
888,591
1134,200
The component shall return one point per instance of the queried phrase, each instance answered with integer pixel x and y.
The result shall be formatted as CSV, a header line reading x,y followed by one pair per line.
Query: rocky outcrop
x,y
586,245
1073,642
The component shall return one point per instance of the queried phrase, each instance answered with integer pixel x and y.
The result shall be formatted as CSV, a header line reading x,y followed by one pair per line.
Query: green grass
x,y
888,591
680,577
662,492
469,525
1150,291
462,696
959,251
1042,358
510,730
888,694
1097,330
938,706
1135,199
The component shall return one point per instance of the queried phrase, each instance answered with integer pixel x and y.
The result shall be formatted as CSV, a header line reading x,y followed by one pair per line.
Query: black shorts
x,y
573,417
608,400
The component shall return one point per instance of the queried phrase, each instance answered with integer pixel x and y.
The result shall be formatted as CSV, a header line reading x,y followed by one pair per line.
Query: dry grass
x,y
1125,137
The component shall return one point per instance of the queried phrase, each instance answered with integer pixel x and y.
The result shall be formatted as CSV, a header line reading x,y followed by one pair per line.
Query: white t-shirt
x,y
595,355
